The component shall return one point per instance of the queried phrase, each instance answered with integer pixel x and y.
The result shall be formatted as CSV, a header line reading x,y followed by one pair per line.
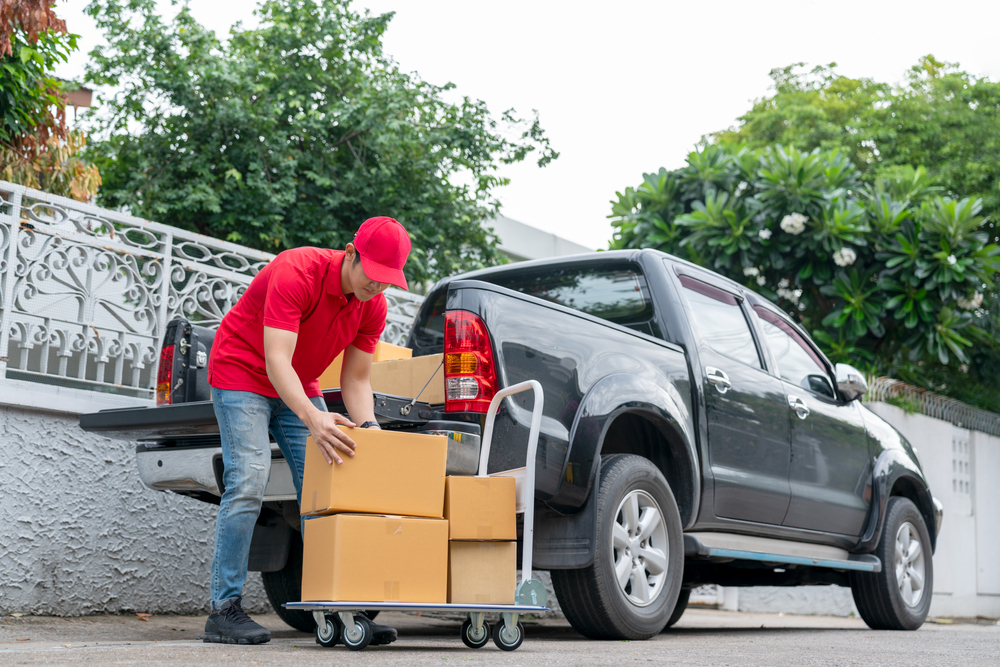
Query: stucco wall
x,y
81,534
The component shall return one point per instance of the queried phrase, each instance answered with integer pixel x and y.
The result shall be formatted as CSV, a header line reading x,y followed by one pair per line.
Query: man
x,y
302,310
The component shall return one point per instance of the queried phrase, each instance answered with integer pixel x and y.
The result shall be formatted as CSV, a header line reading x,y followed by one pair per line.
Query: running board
x,y
746,547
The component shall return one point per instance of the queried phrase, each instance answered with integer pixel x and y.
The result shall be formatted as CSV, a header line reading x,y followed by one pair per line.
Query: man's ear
x,y
350,250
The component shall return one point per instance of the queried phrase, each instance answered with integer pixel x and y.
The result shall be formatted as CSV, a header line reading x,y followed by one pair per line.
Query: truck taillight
x,y
469,373
164,375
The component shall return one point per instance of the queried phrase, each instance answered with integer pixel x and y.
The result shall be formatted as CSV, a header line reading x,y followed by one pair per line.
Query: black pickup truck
x,y
692,434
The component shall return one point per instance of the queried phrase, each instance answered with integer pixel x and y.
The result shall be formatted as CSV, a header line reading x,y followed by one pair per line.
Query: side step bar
x,y
745,547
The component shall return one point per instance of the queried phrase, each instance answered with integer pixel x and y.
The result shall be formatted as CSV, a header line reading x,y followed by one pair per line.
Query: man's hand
x,y
329,438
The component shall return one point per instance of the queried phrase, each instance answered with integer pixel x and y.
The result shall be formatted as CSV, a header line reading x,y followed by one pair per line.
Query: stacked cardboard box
x,y
482,533
376,532
395,371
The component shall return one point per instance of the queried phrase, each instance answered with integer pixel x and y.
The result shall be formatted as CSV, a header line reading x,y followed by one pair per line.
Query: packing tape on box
x,y
393,526
391,591
314,502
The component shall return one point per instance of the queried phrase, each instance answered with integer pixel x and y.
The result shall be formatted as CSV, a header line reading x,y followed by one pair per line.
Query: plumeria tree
x,y
889,275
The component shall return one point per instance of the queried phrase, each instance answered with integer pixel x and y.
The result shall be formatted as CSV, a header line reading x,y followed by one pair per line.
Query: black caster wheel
x,y
507,640
328,634
468,632
359,636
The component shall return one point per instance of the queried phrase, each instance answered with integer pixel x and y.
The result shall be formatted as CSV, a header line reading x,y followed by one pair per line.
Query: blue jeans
x,y
245,419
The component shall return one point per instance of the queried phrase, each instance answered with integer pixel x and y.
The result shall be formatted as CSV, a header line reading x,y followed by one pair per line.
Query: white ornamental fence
x,y
85,295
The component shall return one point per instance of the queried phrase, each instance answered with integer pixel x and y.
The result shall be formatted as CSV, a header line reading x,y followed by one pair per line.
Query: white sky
x,y
627,87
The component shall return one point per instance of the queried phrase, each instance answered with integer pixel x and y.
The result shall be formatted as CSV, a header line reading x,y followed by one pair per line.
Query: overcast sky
x,y
630,86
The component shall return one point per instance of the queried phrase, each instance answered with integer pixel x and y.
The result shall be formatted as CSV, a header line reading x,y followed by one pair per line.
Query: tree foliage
x,y
35,148
889,276
295,132
940,117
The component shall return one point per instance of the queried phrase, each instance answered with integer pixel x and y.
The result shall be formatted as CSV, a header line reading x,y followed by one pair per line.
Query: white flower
x,y
794,223
791,295
952,260
972,303
844,257
783,282
751,271
761,280
964,368
764,234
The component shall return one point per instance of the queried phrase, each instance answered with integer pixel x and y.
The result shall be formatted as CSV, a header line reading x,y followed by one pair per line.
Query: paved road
x,y
703,637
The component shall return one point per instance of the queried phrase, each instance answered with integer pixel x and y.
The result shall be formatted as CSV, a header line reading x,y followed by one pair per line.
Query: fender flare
x,y
892,466
618,394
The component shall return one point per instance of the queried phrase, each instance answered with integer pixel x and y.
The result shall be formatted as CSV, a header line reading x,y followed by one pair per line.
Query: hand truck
x,y
344,622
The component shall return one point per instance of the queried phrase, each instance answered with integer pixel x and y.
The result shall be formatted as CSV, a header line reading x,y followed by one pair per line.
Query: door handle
x,y
800,407
718,379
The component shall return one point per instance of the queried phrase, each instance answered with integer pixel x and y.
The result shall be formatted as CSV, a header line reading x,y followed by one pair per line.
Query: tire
x,y
679,608
504,643
898,597
285,585
594,602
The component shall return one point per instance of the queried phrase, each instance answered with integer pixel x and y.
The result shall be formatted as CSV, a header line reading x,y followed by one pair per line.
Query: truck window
x,y
615,293
719,321
797,362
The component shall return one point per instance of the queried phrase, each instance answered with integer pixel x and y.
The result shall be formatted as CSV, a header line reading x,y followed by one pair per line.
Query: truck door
x,y
748,422
830,468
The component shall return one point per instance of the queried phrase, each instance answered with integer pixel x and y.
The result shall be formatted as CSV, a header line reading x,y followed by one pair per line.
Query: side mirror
x,y
851,382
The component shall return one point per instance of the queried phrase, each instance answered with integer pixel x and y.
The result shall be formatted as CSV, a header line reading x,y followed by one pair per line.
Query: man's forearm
x,y
358,399
286,382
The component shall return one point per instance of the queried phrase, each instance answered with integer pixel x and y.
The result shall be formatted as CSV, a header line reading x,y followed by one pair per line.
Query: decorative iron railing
x,y
85,292
934,405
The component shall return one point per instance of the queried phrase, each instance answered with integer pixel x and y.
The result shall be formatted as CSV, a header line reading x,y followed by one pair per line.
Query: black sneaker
x,y
381,634
231,625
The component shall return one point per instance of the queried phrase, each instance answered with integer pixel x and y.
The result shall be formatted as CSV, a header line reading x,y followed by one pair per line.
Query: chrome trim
x,y
463,451
193,469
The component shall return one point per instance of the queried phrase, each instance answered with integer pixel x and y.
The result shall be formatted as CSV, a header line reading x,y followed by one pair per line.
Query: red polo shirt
x,y
299,291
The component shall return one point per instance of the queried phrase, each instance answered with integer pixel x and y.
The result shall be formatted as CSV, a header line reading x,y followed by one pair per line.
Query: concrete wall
x,y
521,242
81,534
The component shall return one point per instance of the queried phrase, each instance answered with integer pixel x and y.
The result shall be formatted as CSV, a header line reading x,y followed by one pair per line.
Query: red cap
x,y
384,246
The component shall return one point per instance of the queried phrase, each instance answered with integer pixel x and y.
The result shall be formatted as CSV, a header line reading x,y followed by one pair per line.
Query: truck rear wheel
x,y
285,585
632,587
898,597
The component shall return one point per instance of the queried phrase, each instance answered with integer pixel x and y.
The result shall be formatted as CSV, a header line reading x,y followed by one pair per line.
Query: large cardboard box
x,y
390,473
482,572
423,376
370,558
330,378
480,508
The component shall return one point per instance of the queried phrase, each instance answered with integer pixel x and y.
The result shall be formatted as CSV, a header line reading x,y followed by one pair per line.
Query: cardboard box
x,y
390,473
407,377
370,558
480,508
482,572
330,378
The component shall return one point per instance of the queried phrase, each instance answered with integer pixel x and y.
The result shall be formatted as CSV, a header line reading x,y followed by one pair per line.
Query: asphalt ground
x,y
702,637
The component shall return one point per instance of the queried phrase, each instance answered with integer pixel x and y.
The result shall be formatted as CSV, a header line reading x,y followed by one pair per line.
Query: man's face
x,y
364,287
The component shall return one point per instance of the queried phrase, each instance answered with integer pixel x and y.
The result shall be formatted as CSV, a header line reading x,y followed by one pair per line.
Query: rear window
x,y
617,294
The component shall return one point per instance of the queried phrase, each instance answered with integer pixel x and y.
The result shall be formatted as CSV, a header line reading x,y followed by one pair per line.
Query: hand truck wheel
x,y
328,632
470,637
507,640
359,636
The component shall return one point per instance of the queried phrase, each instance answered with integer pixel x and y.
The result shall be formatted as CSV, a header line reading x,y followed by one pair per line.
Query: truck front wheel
x,y
898,597
632,587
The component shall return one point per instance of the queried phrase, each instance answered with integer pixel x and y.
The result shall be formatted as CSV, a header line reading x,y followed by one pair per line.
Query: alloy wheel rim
x,y
639,548
909,565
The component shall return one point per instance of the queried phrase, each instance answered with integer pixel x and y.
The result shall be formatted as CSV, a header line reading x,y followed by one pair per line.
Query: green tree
x,y
940,117
35,148
295,132
889,276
